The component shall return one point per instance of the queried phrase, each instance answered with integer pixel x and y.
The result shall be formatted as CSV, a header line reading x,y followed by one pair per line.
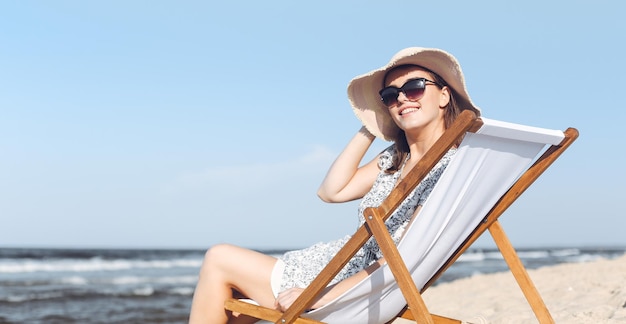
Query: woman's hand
x,y
287,297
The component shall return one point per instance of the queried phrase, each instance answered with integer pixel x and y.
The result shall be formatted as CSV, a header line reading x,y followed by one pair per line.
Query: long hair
x,y
451,112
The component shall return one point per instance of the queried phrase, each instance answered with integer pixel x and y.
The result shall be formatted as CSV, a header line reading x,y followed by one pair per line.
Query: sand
x,y
587,292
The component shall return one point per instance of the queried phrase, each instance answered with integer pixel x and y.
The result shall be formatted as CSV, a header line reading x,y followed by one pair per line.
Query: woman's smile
x,y
407,110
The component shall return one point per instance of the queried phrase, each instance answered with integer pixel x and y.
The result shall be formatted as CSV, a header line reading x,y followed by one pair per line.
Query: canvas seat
x,y
494,164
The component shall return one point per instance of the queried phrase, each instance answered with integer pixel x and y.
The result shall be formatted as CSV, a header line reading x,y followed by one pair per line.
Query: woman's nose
x,y
402,97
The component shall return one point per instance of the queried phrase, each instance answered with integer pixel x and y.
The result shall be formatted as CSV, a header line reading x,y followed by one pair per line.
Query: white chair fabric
x,y
485,166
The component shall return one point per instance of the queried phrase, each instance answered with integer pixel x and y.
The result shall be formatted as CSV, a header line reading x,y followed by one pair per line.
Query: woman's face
x,y
425,113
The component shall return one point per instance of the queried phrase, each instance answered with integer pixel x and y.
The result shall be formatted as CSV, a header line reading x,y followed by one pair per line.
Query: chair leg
x,y
398,268
519,272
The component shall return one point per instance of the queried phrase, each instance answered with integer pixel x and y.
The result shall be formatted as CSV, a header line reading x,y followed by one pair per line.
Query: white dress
x,y
300,267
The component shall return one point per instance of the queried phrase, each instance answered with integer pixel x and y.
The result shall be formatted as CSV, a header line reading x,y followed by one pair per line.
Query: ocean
x,y
156,286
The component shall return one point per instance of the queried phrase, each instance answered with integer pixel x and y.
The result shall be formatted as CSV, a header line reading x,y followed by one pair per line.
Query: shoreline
x,y
583,292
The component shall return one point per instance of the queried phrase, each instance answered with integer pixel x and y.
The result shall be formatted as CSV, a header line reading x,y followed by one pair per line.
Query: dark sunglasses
x,y
412,89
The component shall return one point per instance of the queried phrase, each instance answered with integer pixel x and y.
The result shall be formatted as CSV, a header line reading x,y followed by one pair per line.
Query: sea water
x,y
156,286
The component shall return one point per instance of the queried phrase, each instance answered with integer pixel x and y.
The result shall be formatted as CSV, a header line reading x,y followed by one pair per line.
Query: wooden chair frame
x,y
416,309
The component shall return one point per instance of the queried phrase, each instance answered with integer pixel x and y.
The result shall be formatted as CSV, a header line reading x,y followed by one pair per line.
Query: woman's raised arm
x,y
346,180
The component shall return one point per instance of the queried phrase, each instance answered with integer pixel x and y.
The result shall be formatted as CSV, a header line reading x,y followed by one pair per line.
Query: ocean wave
x,y
75,282
16,298
584,258
540,254
143,291
552,255
472,257
183,291
134,291
91,265
565,252
136,280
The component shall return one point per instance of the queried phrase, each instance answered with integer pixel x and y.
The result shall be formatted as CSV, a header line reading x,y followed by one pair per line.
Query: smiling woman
x,y
407,112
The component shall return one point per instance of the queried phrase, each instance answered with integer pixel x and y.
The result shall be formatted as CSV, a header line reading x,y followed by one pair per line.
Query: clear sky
x,y
181,124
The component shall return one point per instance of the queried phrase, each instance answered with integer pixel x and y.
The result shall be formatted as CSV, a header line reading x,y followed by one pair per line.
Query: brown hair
x,y
452,110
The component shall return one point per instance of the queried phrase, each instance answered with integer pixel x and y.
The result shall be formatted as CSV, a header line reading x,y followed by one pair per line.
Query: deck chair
x,y
494,164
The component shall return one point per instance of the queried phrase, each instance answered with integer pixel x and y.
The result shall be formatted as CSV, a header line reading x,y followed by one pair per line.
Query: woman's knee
x,y
218,255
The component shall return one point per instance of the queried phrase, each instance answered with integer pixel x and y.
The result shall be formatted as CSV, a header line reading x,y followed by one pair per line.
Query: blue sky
x,y
181,124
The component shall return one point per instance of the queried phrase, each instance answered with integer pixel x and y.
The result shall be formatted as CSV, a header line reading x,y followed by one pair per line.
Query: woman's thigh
x,y
248,271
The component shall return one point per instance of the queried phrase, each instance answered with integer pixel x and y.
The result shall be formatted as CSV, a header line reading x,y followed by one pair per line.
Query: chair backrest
x,y
486,165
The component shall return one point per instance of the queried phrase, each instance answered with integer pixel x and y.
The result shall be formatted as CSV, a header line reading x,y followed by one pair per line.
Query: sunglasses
x,y
412,89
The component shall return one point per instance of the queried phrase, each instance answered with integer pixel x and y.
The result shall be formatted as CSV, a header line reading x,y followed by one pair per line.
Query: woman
x,y
411,101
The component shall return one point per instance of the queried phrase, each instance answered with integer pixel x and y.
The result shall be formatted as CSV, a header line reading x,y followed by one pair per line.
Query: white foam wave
x,y
129,280
534,254
584,258
90,265
144,291
494,255
168,280
75,280
29,297
478,256
472,257
565,252
184,291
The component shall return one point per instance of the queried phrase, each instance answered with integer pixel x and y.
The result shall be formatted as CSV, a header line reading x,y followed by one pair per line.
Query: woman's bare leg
x,y
227,267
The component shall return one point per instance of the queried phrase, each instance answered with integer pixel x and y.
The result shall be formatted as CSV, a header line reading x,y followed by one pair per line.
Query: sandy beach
x,y
587,292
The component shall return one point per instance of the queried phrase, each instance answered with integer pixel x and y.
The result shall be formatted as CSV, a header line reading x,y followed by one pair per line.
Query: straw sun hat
x,y
365,100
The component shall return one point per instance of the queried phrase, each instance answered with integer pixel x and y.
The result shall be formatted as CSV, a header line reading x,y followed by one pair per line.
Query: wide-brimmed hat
x,y
365,100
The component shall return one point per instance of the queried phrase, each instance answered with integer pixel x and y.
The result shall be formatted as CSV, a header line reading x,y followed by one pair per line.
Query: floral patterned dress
x,y
302,266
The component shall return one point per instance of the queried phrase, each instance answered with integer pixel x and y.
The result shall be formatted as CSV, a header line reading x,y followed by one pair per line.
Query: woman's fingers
x,y
287,297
